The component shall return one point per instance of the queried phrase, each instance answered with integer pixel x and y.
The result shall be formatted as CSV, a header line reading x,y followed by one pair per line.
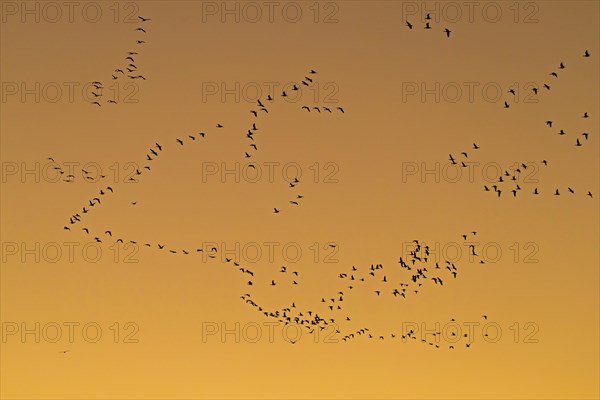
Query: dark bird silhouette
x,y
409,25
447,32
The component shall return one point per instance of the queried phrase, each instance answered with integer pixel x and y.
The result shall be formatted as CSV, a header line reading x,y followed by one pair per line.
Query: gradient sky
x,y
373,179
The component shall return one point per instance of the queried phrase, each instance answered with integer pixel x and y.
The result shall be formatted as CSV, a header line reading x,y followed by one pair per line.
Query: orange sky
x,y
143,322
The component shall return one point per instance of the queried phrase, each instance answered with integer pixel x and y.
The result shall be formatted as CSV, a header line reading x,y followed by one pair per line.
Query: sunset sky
x,y
100,319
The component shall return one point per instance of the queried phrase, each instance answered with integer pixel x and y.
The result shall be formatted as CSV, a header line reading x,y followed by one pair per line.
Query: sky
x,y
362,143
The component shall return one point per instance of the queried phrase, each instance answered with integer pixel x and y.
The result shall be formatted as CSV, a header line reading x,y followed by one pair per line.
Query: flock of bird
x,y
406,278
329,313
260,111
318,109
546,86
133,72
578,143
509,181
420,270
404,336
428,26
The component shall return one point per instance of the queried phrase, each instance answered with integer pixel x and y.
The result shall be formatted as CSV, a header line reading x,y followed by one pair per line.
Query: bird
x,y
143,19
409,25
427,25
586,54
341,109
447,32
506,105
585,115
275,210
